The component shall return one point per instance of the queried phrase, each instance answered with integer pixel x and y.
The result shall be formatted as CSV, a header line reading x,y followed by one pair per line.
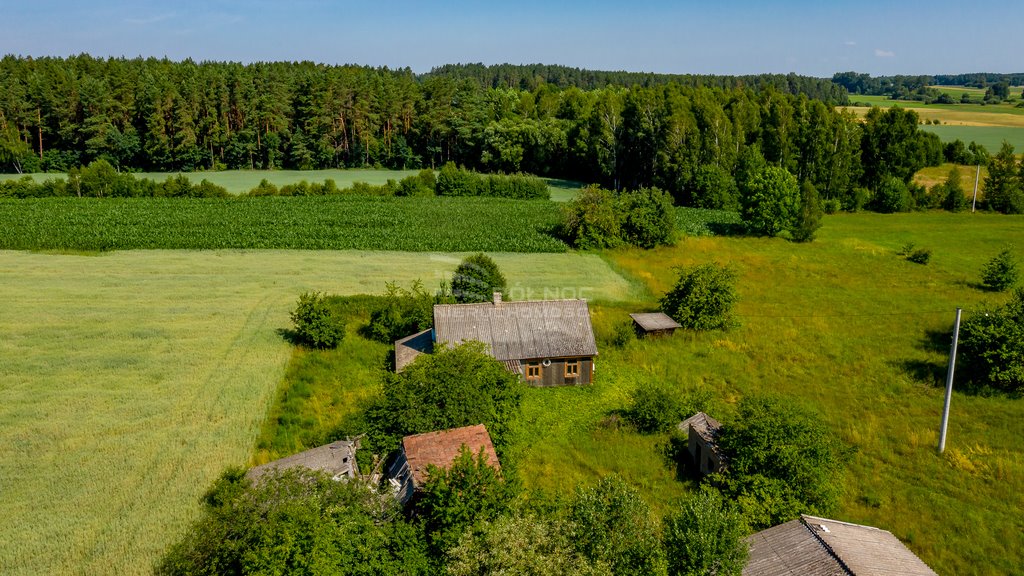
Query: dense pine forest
x,y
689,135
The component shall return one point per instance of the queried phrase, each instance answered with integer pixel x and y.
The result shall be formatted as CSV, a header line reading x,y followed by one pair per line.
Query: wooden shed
x,y
702,442
811,546
408,472
546,342
653,324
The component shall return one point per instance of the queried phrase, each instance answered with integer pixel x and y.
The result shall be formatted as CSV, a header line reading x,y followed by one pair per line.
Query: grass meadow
x,y
843,324
129,380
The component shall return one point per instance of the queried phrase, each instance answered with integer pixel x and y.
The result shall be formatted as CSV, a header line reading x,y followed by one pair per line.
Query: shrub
x,y
623,334
952,192
702,298
991,348
892,196
476,279
648,217
655,408
705,536
591,220
453,181
315,323
809,218
401,313
1000,273
783,462
920,255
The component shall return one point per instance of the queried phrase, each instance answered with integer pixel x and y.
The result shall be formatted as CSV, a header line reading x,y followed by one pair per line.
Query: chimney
x,y
497,298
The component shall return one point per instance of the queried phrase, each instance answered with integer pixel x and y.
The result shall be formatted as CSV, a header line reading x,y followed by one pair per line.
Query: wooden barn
x,y
338,459
408,472
653,324
702,434
811,546
547,342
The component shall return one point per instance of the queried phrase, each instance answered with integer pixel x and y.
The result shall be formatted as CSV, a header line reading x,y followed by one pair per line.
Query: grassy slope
x,y
128,381
847,325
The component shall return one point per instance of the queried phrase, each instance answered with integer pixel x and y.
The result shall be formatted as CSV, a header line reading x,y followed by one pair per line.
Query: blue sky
x,y
740,37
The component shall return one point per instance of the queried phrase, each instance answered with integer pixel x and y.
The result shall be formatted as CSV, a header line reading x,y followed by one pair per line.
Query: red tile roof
x,y
441,449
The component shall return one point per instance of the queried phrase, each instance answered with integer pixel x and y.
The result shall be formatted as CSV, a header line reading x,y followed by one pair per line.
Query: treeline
x,y
532,76
917,87
100,180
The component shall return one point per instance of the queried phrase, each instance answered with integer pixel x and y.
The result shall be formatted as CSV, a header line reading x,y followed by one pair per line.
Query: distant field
x,y
991,138
241,181
310,223
969,114
129,380
933,175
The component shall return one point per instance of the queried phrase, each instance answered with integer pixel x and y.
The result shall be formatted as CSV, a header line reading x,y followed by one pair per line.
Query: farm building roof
x,y
652,321
336,459
814,546
705,426
441,448
409,348
520,330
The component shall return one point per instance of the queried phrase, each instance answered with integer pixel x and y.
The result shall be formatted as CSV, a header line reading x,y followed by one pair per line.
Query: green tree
x,y
296,522
991,348
1000,273
809,219
466,494
476,279
702,298
892,196
705,536
952,192
316,323
450,388
591,220
649,219
783,461
771,202
612,524
1003,191
526,545
402,312
714,188
655,408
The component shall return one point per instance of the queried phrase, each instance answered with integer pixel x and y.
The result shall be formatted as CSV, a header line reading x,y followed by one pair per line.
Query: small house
x,y
653,324
545,342
811,546
408,472
338,459
702,442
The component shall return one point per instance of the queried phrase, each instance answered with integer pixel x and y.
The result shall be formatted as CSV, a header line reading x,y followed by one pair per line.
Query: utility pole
x,y
949,383
975,201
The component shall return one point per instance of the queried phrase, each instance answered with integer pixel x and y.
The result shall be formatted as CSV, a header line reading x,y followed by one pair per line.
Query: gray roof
x,y
409,348
651,321
705,426
814,546
336,459
520,330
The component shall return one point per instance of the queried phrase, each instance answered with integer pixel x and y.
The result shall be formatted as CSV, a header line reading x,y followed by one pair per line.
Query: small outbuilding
x,y
653,324
702,442
337,459
409,348
811,546
408,472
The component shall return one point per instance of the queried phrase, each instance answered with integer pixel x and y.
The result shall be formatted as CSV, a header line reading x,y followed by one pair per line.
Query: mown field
x,y
311,223
991,137
129,380
843,324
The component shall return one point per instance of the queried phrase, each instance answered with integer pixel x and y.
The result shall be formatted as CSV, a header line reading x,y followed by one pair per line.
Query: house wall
x,y
554,374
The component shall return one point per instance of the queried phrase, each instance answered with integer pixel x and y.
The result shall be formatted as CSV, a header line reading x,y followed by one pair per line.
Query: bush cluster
x,y
599,218
991,348
316,323
1000,273
100,180
702,298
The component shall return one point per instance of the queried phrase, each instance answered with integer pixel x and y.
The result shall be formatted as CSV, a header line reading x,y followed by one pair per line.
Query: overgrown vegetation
x,y
599,218
991,348
1000,273
705,535
316,324
702,298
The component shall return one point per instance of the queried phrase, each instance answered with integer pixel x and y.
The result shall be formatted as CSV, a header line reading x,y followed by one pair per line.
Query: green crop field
x,y
843,323
991,137
129,380
320,222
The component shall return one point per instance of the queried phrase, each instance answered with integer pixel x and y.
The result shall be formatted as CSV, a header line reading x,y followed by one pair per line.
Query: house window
x,y
533,371
572,369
